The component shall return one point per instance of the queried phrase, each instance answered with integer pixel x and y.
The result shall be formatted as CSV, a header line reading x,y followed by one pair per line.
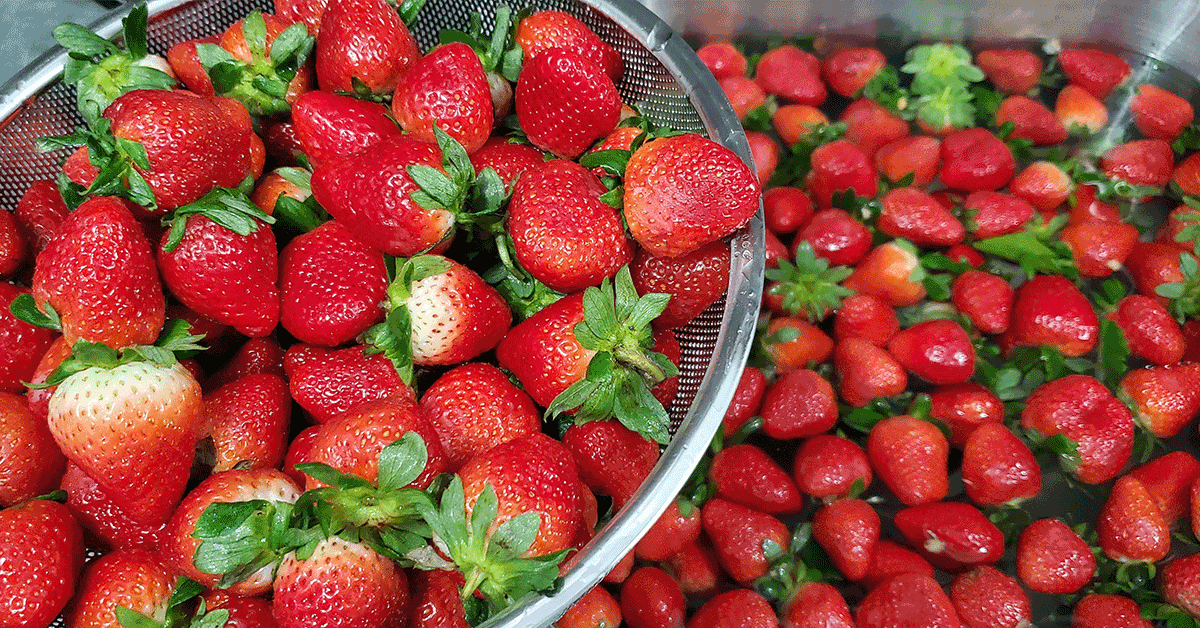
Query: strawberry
x,y
865,372
41,210
22,345
914,215
909,455
551,332
1098,248
509,159
544,30
987,598
1011,71
328,383
743,94
650,598
326,267
1050,310
256,356
564,84
1131,528
848,70
746,475
739,608
42,550
670,533
1169,478
848,530
871,125
262,63
105,524
474,407
612,459
12,245
448,87
764,154
890,559
1180,218
1051,558
340,584
836,236
963,408
866,317
1086,413
98,274
951,534
793,122
363,42
179,546
798,404
1165,399
1179,583
695,281
996,213
30,461
434,599
791,74
888,272
684,191
828,466
1096,71
918,155
938,351
596,609
1139,162
329,126
127,578
838,166
747,398
1031,120
251,612
738,535
247,421
298,451
308,11
794,344
1149,329
1078,110
998,468
1152,264
907,599
39,398
1186,175
786,209
1107,611
974,160
1158,113
817,605
722,59
1042,184
696,568
562,233
985,299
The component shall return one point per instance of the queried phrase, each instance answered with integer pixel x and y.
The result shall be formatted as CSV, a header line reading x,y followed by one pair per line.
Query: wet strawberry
x,y
329,126
1083,409
987,598
800,403
1150,331
791,74
914,215
938,351
817,605
1165,399
738,534
829,466
1042,184
1179,583
1011,71
1139,162
1078,109
985,299
364,40
1050,310
887,272
950,534
1169,478
918,155
975,159
739,608
798,344
1051,558
1099,248
998,468
910,455
651,598
563,83
871,125
792,122
866,317
1158,113
694,281
865,372
722,59
746,475
786,209
838,166
1031,120
907,600
1130,527
848,70
848,530
544,30
1096,71
836,236
1099,610
890,559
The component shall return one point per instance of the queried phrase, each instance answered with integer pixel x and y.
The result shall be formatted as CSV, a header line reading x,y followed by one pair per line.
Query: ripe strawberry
x,y
1165,399
871,125
1011,71
987,598
1079,110
1186,175
551,333
1152,264
179,546
1050,310
256,356
836,236
914,215
907,599
308,11
817,605
1180,218
722,59
650,598
890,559
12,245
448,87
1140,162
544,30
887,272
340,584
247,421
39,398
996,213
1099,248
329,126
364,40
739,608
474,407
563,234
848,70
1179,583
670,533
564,84
1107,611
298,451
533,473
738,534
1082,409
938,351
21,345
746,475
1149,329
508,159
30,461
786,209
41,210
848,530
694,280
809,347
42,550
866,317
793,122
743,93
909,455
434,599
866,372
985,299
1031,120
127,578
799,404
327,383
764,154
974,160
747,398
951,534
1096,71
596,609
1169,479
791,74
838,166
612,459
696,568
98,274
1158,113
998,468
918,155
1042,184
684,191
828,466
1051,558
1130,527
248,612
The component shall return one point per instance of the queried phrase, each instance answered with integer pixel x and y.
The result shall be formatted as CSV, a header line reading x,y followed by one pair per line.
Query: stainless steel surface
x,y
670,86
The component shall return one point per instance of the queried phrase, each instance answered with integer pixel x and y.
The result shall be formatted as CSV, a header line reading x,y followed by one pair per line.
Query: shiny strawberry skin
x,y
1031,120
542,350
891,558
363,39
817,605
1096,71
985,299
974,160
255,356
30,462
650,598
1165,399
1051,558
612,459
1050,310
872,126
446,86
435,601
848,530
997,213
737,534
308,11
987,598
865,372
951,535
41,549
1107,611
544,30
914,215
105,524
739,608
509,159
907,599
1085,411
1140,162
1179,583
1012,71
132,578
328,383
561,85
938,351
792,74
21,345
747,475
342,584
248,421
670,533
41,210
910,456
1169,478
799,404
368,192
98,272
456,316
998,468
329,126
1130,527
1150,330
694,281
475,407
1099,248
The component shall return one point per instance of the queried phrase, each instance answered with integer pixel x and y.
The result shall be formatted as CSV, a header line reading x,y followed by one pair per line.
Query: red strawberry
x,y
533,473
563,234
1165,399
552,330
951,534
247,421
12,245
1130,527
938,351
918,155
41,210
475,407
596,609
1042,184
817,605
793,122
138,447
1051,558
1098,610
695,568
1186,175
963,408
340,584
684,191
838,166
328,383
786,209
509,159
1169,478
1140,162
364,40
722,59
1078,109
1179,583
448,87
1031,120
1096,71
650,598
255,356
127,578
866,372
887,272
105,524
98,274
738,534
670,533
987,598
1011,71
1181,217
612,459
871,125
974,160
1082,409
848,530
435,601
985,299
798,404
179,546
747,398
914,215
351,442
1050,310
21,345
791,74
998,468
828,466
996,213
248,612
848,70
743,93
746,475
298,451
42,552
809,347
890,559
30,461
739,608
544,30
1098,248
1150,331
909,455
866,317
1152,264
836,236
1158,113
307,11
329,126
39,398
907,599
694,280
563,84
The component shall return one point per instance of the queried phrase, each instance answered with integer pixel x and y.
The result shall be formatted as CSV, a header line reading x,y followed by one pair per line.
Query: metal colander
x,y
667,83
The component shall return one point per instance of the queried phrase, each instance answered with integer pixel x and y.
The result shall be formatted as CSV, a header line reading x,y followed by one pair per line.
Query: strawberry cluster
x,y
322,329
974,391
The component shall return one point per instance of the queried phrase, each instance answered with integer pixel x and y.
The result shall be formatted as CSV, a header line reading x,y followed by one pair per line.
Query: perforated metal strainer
x,y
663,78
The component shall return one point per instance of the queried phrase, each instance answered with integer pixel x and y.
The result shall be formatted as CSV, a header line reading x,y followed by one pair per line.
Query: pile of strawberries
x,y
325,330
